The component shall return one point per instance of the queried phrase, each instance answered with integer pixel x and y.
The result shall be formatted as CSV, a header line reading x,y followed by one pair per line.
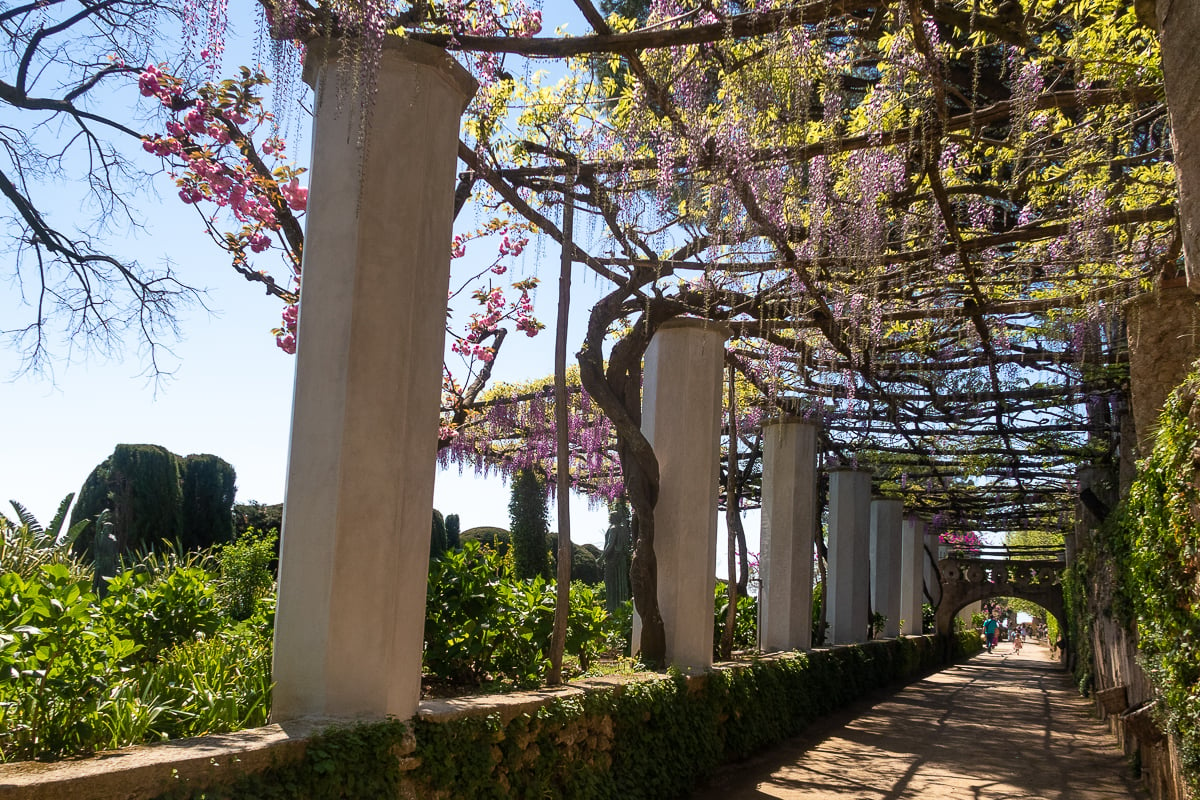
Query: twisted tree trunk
x,y
618,392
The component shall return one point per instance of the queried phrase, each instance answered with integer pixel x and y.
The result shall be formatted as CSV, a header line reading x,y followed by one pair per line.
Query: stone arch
x,y
969,580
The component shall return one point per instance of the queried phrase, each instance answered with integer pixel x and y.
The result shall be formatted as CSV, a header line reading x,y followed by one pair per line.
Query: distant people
x,y
990,629
1017,644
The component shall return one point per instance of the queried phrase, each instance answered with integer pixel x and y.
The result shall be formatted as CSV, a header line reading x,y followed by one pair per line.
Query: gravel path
x,y
1001,726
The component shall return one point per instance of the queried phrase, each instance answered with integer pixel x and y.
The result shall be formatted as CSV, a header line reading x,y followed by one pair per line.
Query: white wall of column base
x,y
355,551
848,593
912,573
681,417
886,518
789,518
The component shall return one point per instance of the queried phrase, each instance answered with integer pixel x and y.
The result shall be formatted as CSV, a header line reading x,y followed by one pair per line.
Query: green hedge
x,y
647,739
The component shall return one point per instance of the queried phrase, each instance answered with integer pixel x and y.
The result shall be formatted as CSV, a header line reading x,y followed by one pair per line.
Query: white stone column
x,y
789,519
886,518
354,563
681,417
933,547
912,573
849,587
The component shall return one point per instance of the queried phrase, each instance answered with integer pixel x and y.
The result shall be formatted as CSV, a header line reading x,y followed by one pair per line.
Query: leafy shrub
x,y
253,514
587,624
483,624
56,661
745,632
1154,541
246,572
150,660
618,639
156,611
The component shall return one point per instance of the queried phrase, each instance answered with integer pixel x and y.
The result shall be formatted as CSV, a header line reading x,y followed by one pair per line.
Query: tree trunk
x,y
732,521
562,600
617,391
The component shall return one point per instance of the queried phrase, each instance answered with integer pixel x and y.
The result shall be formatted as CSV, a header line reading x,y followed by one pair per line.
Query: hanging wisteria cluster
x,y
509,435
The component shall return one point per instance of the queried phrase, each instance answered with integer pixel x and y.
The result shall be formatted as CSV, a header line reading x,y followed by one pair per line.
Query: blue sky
x,y
229,389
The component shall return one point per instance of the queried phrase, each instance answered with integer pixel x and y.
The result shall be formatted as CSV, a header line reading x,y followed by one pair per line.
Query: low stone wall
x,y
645,735
1119,673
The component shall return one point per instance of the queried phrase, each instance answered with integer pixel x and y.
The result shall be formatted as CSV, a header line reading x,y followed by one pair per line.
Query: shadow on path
x,y
998,727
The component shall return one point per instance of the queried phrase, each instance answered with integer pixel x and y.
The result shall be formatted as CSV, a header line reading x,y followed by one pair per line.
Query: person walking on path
x,y
989,632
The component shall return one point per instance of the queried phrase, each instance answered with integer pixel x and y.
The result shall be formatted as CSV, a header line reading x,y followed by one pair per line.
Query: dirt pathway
x,y
1001,726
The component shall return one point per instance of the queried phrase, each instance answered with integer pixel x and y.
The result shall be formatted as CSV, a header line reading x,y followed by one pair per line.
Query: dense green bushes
x,y
208,486
654,739
161,656
484,624
646,739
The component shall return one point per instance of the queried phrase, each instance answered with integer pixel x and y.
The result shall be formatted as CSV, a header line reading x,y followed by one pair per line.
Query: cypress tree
x,y
529,524
91,500
139,484
452,532
208,489
437,537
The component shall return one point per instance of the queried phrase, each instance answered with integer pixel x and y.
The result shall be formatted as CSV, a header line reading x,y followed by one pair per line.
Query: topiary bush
x,y
152,496
208,485
139,484
437,536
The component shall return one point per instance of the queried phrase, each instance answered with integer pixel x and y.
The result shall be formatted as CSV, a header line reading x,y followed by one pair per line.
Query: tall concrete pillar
x,y
849,587
681,416
912,573
886,519
933,554
353,568
789,519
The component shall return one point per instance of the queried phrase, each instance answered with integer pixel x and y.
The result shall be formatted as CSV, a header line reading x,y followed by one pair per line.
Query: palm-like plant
x,y
26,544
